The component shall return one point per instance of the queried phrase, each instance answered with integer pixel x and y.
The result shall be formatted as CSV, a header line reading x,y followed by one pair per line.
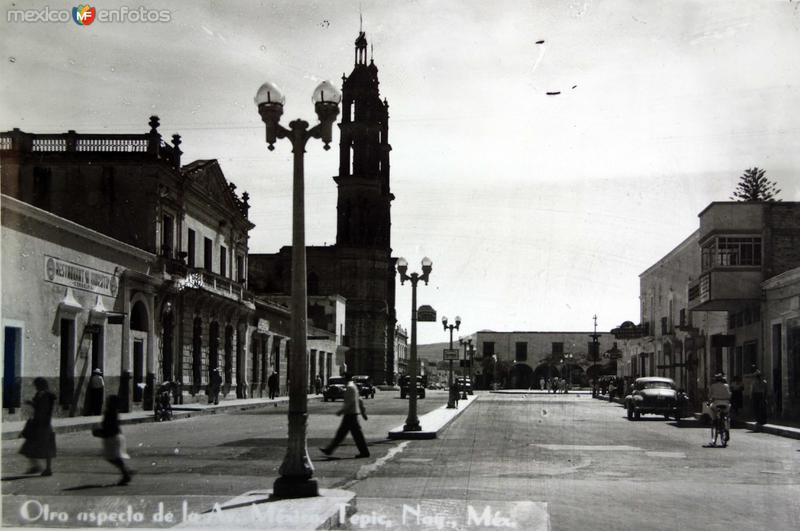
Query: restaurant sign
x,y
81,277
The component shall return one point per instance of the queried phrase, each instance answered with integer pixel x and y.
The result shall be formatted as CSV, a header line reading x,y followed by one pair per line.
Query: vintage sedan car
x,y
334,389
365,387
654,395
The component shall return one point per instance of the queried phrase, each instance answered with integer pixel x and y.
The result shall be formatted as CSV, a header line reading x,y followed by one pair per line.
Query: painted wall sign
x,y
263,326
80,277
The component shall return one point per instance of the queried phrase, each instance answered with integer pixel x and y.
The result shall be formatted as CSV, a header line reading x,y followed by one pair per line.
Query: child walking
x,y
114,448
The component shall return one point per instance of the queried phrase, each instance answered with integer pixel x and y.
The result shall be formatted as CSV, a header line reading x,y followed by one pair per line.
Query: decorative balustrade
x,y
149,143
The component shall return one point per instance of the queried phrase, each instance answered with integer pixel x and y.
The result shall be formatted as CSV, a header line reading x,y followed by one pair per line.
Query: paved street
x,y
565,461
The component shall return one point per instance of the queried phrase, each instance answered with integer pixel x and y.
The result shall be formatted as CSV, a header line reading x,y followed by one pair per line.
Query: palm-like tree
x,y
754,186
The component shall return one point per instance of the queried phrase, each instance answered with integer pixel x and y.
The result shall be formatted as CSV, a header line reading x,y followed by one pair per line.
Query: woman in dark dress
x,y
40,440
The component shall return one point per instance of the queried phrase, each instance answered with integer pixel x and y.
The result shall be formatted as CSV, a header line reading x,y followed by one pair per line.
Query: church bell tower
x,y
364,197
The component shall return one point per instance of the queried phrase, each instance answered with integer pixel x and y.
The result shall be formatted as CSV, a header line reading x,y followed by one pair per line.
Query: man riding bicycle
x,y
719,396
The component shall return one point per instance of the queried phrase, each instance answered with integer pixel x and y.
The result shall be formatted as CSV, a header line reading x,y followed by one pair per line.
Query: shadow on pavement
x,y
92,486
23,476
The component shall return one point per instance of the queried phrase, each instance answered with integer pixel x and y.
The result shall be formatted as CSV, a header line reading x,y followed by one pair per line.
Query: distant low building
x,y
522,359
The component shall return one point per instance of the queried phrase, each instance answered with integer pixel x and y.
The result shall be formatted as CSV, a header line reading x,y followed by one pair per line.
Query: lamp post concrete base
x,y
286,487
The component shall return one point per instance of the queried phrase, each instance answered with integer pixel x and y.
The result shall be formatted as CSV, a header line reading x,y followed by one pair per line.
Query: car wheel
x,y
637,415
630,413
666,416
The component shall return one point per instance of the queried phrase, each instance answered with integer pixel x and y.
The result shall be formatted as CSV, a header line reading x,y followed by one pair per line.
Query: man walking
x,y
272,385
352,408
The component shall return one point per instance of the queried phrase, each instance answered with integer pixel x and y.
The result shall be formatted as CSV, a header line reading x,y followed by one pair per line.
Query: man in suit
x,y
352,408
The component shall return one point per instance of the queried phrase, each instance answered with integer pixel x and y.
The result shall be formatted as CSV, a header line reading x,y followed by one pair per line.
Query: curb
x,y
771,429
398,433
178,413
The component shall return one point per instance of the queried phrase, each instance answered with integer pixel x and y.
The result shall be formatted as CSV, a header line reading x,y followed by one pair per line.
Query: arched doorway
x,y
521,376
197,354
669,368
139,330
167,334
228,369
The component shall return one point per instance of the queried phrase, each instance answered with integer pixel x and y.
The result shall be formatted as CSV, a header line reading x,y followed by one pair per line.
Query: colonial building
x,y
722,302
400,350
521,359
359,267
184,310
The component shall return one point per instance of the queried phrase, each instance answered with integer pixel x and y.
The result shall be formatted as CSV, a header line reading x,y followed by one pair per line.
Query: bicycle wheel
x,y
714,432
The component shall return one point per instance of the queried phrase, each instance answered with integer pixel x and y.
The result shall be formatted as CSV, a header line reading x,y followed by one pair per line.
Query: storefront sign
x,y
263,326
81,277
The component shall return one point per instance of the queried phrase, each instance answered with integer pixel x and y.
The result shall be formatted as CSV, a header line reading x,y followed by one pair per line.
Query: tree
x,y
754,186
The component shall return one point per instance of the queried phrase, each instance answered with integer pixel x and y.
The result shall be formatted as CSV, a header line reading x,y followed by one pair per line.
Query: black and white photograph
x,y
400,265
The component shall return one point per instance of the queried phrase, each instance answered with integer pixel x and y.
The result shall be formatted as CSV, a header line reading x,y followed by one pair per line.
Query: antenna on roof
x,y
360,19
371,52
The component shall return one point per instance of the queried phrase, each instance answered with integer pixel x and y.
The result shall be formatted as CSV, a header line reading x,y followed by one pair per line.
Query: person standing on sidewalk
x,y
40,439
352,408
318,384
114,447
214,385
95,393
272,385
758,393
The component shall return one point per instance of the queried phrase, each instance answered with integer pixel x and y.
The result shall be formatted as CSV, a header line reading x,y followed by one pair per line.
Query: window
x,y
750,355
223,261
167,235
240,272
521,348
558,349
488,348
725,251
208,253
190,247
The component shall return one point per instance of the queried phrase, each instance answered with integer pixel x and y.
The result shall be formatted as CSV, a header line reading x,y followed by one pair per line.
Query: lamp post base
x,y
412,425
290,487
464,395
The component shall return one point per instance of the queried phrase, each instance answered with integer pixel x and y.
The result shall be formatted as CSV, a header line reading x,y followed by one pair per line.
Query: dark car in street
x,y
334,389
405,381
365,387
654,395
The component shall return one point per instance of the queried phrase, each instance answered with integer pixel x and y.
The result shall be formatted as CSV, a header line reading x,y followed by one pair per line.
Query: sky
x,y
538,211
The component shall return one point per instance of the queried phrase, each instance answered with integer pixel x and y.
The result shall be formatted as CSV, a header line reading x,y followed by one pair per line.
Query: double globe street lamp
x,y
412,422
296,471
451,402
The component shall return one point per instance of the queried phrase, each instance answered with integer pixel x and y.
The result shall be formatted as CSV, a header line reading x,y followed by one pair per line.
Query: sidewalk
x,y
11,430
541,392
434,422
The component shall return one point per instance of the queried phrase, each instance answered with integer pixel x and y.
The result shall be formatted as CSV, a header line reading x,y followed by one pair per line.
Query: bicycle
x,y
721,426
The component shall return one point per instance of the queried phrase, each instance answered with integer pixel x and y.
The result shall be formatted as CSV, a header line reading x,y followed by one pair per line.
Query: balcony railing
x,y
196,278
72,142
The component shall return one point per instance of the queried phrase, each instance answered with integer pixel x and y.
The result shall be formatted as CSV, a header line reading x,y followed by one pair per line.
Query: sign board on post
x,y
450,354
426,313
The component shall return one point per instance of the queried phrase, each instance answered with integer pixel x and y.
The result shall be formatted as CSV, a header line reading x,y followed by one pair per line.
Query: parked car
x,y
334,389
464,383
365,387
422,382
654,395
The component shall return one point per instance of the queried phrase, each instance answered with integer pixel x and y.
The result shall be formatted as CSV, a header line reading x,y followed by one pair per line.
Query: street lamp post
x,y
412,421
296,472
451,403
467,345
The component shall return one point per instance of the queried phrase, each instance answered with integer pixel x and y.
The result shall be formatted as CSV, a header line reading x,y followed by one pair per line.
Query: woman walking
x,y
40,440
114,448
